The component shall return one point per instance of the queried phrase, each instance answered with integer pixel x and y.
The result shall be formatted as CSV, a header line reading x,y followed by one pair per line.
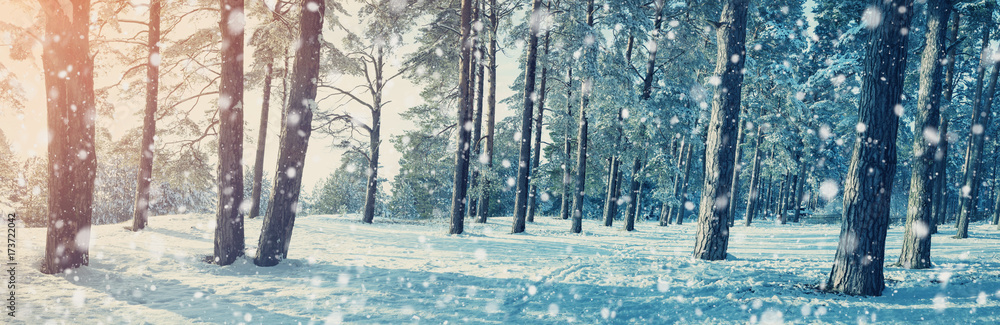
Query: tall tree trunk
x,y
916,252
783,196
461,179
634,191
276,233
737,168
374,141
581,144
524,157
684,185
537,146
753,196
668,212
258,165
611,199
964,191
980,122
229,241
799,184
477,131
484,199
567,150
140,215
720,149
857,268
71,113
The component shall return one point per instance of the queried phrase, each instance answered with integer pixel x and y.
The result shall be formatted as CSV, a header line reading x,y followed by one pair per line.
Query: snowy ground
x,y
343,271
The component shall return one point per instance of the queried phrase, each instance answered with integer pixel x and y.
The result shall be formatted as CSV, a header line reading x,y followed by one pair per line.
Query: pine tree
x,y
713,216
140,216
72,161
917,237
857,268
276,233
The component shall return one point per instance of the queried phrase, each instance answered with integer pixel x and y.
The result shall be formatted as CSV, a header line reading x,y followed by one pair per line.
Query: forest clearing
x,y
412,272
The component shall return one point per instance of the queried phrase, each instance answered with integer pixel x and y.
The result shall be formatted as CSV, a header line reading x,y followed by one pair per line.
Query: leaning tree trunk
x,y
976,100
634,192
735,186
140,215
581,144
276,233
611,199
229,241
72,114
258,165
973,173
537,146
720,148
857,267
753,197
484,198
524,157
461,179
667,214
567,150
374,142
916,252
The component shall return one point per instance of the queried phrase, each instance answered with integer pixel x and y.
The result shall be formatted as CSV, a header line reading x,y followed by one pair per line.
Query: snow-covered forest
x,y
500,161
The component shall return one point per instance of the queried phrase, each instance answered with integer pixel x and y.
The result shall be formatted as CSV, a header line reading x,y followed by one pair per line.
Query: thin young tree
x,y
537,146
491,102
857,267
916,252
981,115
713,215
941,181
140,215
72,162
576,226
276,233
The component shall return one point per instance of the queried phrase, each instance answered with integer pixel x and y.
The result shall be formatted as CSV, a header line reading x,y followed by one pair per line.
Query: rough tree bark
x,y
524,156
857,267
461,179
140,215
916,252
668,211
720,148
276,233
72,114
973,172
229,241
